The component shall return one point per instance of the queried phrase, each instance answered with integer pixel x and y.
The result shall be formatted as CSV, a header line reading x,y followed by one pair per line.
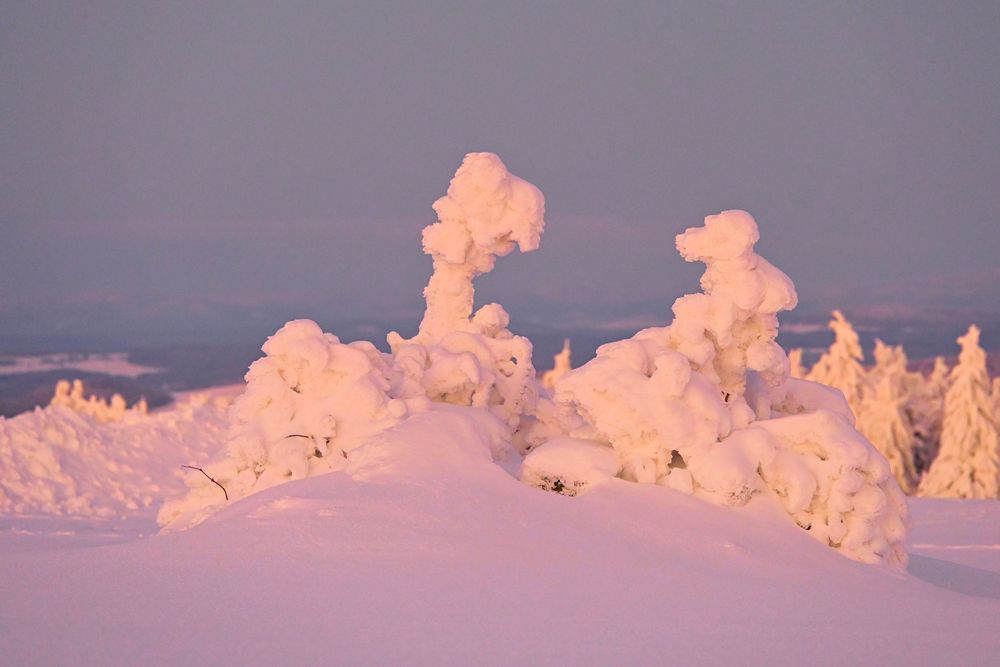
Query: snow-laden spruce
x,y
926,406
886,425
968,465
840,366
706,406
898,410
884,418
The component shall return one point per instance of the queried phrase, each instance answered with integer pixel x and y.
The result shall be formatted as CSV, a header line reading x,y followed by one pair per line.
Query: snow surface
x,y
426,552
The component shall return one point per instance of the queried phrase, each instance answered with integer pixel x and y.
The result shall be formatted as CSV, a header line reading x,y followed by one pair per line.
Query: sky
x,y
177,165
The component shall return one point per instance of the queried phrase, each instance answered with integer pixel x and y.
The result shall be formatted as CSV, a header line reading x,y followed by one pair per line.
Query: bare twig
x,y
210,477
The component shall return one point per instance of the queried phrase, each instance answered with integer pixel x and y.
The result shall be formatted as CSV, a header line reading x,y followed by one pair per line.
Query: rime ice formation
x,y
312,400
669,392
561,364
72,397
968,465
705,406
486,212
308,403
837,486
459,357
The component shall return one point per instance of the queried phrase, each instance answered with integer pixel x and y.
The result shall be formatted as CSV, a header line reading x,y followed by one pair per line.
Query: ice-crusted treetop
x,y
731,327
486,212
840,366
726,245
846,338
971,355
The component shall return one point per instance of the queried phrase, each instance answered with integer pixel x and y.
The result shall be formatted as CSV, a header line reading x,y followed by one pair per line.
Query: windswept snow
x,y
427,553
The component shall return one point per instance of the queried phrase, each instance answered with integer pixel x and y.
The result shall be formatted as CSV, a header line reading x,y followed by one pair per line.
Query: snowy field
x,y
399,561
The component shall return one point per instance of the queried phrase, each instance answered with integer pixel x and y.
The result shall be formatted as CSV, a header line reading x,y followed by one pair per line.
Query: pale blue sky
x,y
186,157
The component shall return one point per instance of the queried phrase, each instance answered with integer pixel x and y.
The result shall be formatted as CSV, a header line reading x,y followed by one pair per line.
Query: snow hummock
x,y
425,552
569,466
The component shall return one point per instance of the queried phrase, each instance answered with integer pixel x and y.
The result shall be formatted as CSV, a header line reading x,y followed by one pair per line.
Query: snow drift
x,y
85,457
704,405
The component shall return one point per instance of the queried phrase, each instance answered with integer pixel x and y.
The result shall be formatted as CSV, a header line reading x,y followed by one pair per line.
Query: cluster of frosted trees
x,y
71,396
938,432
704,405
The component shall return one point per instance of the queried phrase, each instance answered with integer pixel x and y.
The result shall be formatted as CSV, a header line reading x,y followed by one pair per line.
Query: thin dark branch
x,y
299,435
210,477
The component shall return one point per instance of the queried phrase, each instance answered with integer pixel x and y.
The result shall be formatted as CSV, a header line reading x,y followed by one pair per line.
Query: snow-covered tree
x,y
705,406
968,465
457,356
891,362
71,396
312,400
884,422
926,409
840,366
561,364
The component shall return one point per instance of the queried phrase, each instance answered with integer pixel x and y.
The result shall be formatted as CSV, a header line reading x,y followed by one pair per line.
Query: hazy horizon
x,y
171,167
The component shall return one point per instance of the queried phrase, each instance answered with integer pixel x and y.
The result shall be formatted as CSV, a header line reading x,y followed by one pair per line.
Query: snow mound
x,y
569,466
60,461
